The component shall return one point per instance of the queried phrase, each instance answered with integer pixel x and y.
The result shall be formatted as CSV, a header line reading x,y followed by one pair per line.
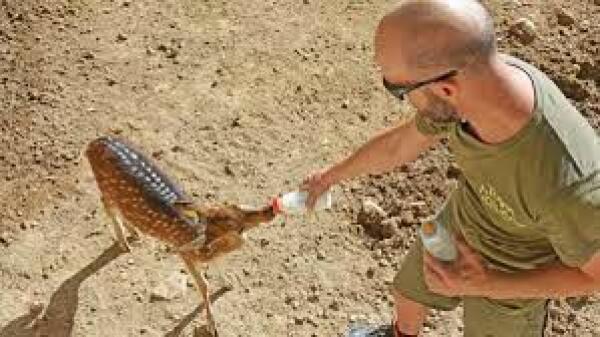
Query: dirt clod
x,y
524,30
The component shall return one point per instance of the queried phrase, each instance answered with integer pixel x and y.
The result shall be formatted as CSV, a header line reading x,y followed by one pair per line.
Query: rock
x,y
559,328
453,171
158,154
229,170
390,227
554,313
172,53
314,298
357,318
88,55
577,303
589,71
320,256
168,51
121,37
4,239
370,218
237,122
564,17
573,88
36,307
371,207
383,263
160,294
370,273
524,30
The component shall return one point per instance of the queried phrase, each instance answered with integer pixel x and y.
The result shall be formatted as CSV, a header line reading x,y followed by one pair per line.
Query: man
x,y
526,212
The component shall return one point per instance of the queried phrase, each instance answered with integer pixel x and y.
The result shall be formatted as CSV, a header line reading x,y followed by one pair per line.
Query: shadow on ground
x,y
59,317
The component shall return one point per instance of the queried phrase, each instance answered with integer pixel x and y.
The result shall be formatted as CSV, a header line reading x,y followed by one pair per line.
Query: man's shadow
x,y
58,318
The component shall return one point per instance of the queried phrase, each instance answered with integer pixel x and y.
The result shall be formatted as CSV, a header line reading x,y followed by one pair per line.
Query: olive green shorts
x,y
483,317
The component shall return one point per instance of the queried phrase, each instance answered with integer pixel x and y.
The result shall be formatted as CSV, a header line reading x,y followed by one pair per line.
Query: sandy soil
x,y
237,100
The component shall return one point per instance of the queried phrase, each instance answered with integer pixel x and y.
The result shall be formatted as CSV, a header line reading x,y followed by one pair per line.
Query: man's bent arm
x,y
552,281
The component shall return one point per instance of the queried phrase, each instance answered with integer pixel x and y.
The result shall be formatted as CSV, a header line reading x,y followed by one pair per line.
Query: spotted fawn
x,y
138,196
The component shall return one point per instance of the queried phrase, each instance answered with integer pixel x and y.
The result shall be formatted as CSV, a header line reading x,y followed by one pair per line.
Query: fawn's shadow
x,y
200,331
59,317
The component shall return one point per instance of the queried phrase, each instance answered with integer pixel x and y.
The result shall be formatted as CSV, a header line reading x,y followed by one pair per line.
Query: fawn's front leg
x,y
117,224
202,287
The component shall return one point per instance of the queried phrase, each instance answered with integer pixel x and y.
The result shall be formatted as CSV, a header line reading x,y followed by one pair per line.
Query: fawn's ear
x,y
188,209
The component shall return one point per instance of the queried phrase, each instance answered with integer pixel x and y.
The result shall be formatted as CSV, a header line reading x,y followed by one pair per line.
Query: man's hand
x,y
467,276
315,184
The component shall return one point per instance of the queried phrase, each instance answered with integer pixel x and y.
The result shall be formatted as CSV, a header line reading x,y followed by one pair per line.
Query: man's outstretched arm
x,y
385,151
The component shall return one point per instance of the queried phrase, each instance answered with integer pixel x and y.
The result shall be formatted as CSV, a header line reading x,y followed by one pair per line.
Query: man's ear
x,y
447,90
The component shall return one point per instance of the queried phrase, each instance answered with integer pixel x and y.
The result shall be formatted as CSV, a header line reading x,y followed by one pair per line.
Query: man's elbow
x,y
592,267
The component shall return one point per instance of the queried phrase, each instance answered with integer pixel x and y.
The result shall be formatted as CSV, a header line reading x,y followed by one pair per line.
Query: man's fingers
x,y
431,276
437,268
465,250
433,280
470,259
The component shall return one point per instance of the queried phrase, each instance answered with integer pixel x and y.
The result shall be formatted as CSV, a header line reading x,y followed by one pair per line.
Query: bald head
x,y
434,35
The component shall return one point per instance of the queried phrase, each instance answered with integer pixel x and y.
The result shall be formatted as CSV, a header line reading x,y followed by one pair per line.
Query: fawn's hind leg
x,y
135,235
117,224
202,287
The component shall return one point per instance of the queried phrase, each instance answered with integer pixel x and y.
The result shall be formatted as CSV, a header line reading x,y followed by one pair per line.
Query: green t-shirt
x,y
535,197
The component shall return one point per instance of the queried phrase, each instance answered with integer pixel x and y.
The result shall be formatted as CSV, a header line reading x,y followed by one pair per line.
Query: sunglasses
x,y
399,91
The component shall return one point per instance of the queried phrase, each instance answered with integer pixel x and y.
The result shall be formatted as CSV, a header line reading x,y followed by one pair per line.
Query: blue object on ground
x,y
357,330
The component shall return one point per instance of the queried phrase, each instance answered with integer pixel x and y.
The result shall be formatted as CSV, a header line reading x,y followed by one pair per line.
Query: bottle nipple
x,y
428,228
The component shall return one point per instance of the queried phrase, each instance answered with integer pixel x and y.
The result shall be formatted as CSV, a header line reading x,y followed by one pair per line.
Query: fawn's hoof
x,y
130,241
125,247
205,331
134,241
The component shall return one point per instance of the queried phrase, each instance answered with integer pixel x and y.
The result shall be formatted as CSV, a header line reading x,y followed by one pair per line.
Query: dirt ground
x,y
237,100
